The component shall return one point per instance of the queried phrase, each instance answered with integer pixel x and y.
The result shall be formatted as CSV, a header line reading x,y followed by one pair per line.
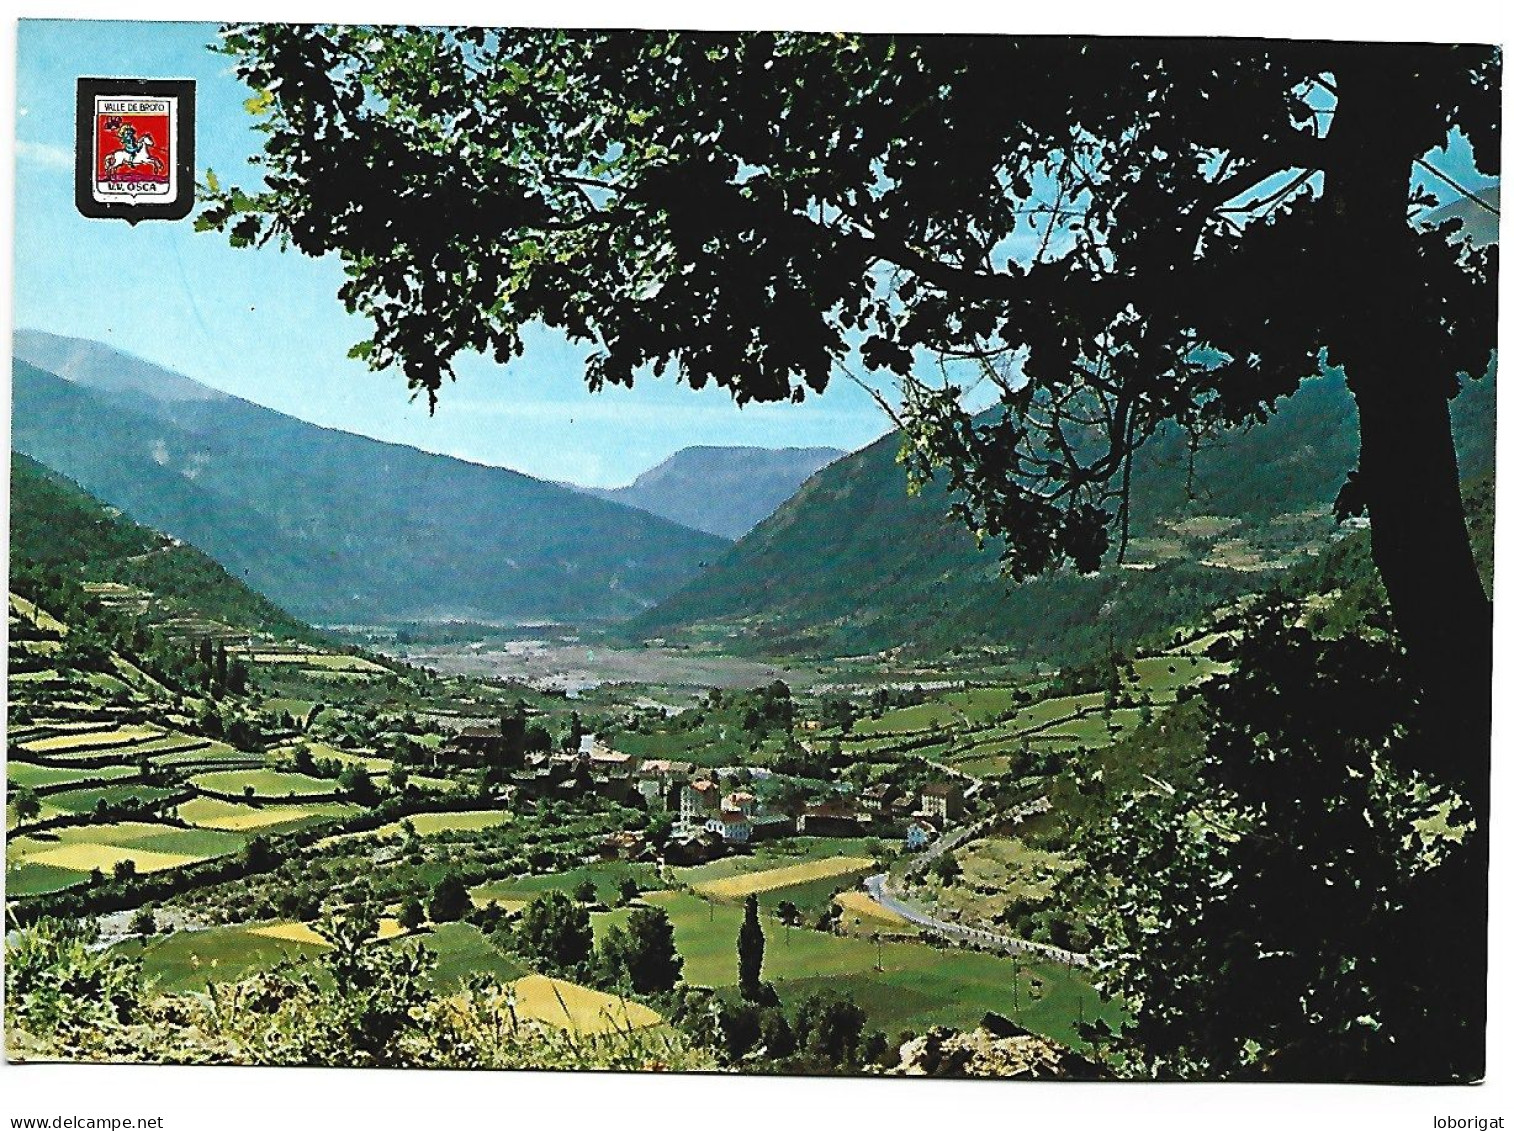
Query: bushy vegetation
x,y
1278,897
360,1005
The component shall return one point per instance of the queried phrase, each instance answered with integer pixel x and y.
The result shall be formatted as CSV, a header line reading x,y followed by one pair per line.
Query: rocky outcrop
x,y
1022,1056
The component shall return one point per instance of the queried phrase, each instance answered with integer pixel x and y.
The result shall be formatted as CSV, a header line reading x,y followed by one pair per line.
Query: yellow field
x,y
576,1008
863,906
322,660
770,879
83,857
431,824
95,738
305,933
41,617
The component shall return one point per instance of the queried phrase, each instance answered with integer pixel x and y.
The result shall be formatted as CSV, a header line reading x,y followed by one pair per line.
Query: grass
x,y
771,854
860,905
213,813
31,878
89,855
773,879
296,709
607,876
306,933
31,776
461,953
187,960
264,783
85,800
323,661
39,616
918,985
433,824
152,847
64,743
998,872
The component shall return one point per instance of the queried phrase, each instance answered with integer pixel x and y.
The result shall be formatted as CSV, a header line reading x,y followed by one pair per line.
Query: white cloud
x,y
51,156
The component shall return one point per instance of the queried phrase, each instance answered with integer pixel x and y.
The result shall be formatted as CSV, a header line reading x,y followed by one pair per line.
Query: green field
x,y
607,876
320,661
918,986
29,878
150,846
213,813
978,705
31,775
296,709
434,824
461,952
85,800
264,783
188,960
770,854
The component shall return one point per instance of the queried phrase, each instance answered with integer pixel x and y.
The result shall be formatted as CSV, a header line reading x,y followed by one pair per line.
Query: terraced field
x,y
230,816
980,731
92,741
61,857
85,800
320,661
263,783
33,776
434,824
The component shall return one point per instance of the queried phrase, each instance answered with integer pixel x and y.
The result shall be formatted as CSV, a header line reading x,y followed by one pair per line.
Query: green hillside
x,y
852,563
336,527
55,525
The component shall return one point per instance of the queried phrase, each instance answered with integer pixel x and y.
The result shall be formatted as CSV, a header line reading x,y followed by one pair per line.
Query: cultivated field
x,y
263,783
771,879
567,1005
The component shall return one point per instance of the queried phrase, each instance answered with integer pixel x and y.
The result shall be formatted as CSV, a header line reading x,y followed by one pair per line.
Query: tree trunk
x,y
1411,484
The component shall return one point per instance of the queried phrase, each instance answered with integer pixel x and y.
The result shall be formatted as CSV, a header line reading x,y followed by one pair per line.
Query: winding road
x,y
877,887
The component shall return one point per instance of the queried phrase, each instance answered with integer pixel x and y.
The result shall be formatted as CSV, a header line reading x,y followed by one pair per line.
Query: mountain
x,y
335,527
55,525
853,563
722,491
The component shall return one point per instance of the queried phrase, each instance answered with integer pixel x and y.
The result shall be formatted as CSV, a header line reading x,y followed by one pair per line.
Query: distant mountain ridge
x,y
723,491
853,563
336,527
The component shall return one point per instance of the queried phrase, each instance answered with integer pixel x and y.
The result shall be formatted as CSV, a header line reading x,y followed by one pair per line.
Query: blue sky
x,y
267,326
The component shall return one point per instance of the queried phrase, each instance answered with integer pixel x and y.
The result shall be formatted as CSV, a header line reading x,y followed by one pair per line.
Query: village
x,y
701,813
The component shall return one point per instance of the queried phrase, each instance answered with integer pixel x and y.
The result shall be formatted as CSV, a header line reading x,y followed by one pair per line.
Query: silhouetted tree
x,y
749,947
